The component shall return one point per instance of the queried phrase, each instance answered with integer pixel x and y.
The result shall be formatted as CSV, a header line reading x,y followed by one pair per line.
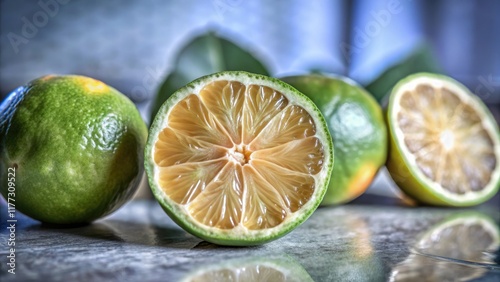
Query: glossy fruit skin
x,y
404,176
77,148
357,126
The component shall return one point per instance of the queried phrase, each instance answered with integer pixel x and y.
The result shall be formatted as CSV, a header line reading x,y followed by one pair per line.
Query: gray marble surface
x,y
373,239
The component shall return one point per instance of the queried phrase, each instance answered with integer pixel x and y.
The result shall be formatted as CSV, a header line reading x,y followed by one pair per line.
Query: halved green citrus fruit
x,y
71,149
459,248
444,143
358,129
238,159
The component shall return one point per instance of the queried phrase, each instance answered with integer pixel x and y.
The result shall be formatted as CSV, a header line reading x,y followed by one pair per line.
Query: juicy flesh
x,y
447,138
238,155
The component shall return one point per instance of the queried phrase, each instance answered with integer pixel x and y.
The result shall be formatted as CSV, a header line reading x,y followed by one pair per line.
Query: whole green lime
x,y
71,149
357,126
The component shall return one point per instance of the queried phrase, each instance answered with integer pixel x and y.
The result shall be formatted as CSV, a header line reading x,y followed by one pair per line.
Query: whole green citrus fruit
x,y
71,147
357,126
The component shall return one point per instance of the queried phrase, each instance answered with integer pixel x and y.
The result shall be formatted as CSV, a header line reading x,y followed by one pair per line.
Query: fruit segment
x,y
184,182
447,138
191,118
264,206
238,155
261,105
291,124
294,188
225,101
221,202
303,155
174,148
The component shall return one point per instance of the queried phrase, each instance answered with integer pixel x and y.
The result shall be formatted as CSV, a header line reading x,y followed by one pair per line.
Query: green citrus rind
x,y
224,237
410,179
356,123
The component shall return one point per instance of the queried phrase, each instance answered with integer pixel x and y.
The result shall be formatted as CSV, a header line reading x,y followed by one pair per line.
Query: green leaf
x,y
205,55
421,60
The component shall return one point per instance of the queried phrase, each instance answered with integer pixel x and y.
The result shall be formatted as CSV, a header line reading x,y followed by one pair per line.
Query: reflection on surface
x,y
361,241
459,248
127,232
272,269
356,260
344,243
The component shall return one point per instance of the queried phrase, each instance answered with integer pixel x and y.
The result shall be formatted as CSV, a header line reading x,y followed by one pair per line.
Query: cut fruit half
x,y
239,159
445,145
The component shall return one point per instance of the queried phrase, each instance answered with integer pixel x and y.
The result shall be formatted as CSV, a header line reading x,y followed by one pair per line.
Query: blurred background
x,y
132,45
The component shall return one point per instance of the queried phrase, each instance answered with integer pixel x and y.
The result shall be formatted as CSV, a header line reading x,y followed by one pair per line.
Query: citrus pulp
x,y
238,158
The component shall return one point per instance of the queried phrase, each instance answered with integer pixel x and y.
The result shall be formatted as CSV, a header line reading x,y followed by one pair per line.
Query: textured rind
x,y
77,145
405,176
218,236
352,156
